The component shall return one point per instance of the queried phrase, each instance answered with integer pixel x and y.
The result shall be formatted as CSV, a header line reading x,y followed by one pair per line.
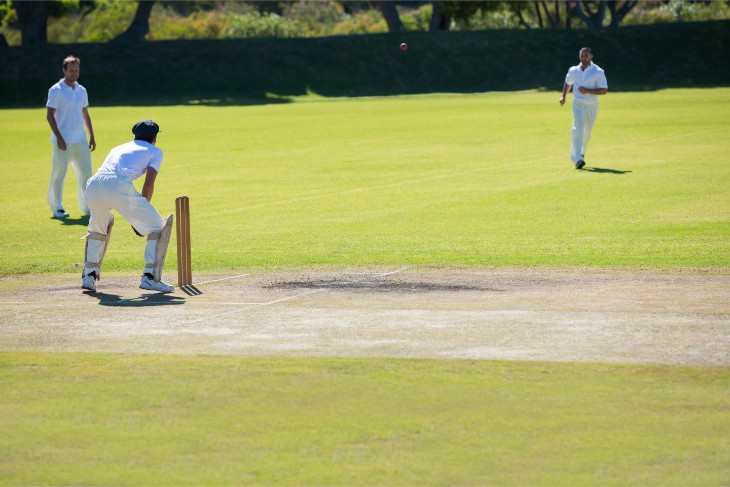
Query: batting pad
x,y
95,250
163,241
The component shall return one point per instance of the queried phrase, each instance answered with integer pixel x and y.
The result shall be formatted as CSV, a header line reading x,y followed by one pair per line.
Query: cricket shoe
x,y
580,164
147,282
60,214
89,282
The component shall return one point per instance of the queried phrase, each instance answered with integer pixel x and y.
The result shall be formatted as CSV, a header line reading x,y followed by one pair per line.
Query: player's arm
x,y
51,117
566,87
593,91
149,183
89,128
147,189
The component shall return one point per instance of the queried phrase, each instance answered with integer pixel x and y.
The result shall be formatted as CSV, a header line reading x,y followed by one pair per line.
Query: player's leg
x,y
55,186
577,131
155,253
149,223
97,243
100,197
81,163
591,114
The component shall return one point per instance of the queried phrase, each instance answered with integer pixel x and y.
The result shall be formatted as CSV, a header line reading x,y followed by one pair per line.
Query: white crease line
x,y
259,305
256,306
381,274
222,279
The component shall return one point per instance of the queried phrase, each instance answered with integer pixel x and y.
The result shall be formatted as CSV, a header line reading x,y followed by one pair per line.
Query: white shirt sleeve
x,y
569,78
52,98
156,161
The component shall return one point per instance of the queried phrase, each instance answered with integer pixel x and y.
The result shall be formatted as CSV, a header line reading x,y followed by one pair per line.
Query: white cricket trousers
x,y
79,156
584,116
108,191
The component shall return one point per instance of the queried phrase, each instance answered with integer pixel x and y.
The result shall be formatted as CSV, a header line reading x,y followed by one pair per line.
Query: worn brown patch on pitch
x,y
597,315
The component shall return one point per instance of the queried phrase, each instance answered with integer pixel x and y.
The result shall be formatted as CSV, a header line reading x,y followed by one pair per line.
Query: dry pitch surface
x,y
678,317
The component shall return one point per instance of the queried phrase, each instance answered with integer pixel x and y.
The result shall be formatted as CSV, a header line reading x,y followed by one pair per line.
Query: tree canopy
x,y
30,22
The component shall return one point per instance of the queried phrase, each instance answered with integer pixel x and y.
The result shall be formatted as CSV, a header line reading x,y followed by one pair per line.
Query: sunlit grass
x,y
174,420
442,179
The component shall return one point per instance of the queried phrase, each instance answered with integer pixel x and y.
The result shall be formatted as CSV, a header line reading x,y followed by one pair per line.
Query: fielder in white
x,y
68,114
110,189
588,81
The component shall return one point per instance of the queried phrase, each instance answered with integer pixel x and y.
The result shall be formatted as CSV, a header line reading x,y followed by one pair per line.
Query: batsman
x,y
110,189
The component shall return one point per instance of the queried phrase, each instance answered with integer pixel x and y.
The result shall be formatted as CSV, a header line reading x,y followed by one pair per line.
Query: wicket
x,y
182,214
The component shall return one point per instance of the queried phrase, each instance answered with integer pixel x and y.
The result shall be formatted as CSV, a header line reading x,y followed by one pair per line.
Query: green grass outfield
x,y
70,419
441,179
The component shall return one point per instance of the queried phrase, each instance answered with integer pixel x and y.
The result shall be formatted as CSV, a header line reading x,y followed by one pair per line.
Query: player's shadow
x,y
152,299
82,220
604,170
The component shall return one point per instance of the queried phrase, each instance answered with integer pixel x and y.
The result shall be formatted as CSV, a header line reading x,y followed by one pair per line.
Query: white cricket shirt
x,y
132,159
68,103
593,77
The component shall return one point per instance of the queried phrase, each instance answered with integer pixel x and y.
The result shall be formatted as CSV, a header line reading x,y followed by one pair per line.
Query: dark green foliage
x,y
464,10
248,71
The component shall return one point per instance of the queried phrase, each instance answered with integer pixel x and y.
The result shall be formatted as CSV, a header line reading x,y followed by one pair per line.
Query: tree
x,y
558,14
140,25
617,15
516,8
593,13
552,17
460,10
390,14
439,21
7,13
32,17
33,21
548,14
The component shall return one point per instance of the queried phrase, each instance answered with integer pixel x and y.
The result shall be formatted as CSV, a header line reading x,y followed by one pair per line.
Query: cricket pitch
x,y
575,315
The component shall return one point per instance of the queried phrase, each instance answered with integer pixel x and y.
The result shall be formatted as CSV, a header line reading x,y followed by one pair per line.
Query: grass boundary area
x,y
197,420
251,71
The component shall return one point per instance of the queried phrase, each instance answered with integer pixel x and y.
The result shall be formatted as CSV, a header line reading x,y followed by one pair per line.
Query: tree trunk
x,y
33,21
601,13
437,17
517,10
594,20
390,14
539,15
550,20
439,20
618,15
140,26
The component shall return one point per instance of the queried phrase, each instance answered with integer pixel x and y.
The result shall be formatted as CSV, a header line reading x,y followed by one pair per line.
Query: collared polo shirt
x,y
68,103
593,77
